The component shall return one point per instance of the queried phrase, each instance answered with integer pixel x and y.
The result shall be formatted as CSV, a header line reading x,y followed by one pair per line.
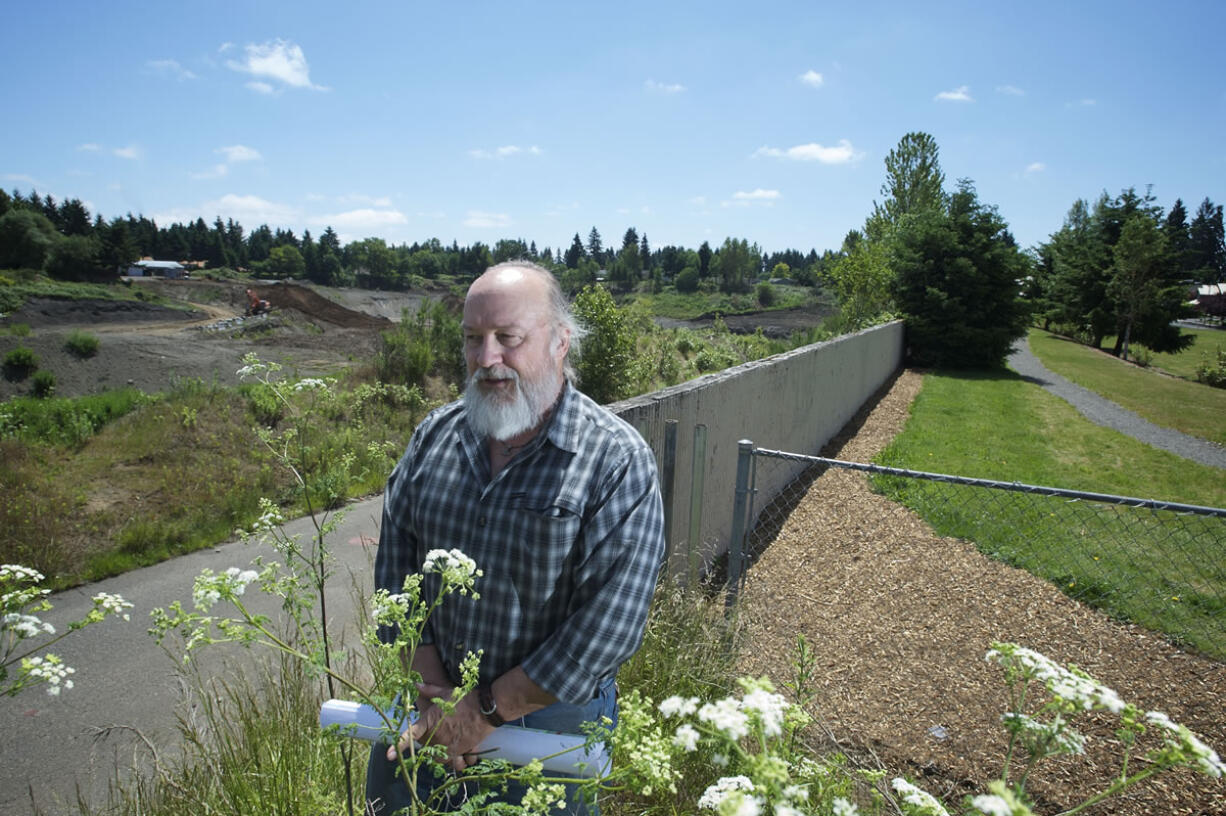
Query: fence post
x,y
698,475
740,520
666,483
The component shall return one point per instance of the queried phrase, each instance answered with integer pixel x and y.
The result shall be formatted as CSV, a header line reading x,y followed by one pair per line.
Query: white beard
x,y
490,416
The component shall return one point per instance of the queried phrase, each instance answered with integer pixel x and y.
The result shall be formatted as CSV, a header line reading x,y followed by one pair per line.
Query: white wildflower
x,y
309,382
726,716
769,707
26,626
784,809
1073,686
796,793
16,572
1179,737
678,706
1064,740
918,797
686,738
442,560
270,517
719,760
715,794
112,604
992,805
743,805
48,669
844,808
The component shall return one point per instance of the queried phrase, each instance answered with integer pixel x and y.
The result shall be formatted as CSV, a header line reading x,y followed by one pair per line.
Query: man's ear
x,y
561,343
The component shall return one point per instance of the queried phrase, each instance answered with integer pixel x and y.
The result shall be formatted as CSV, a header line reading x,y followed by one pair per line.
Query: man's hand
x,y
461,732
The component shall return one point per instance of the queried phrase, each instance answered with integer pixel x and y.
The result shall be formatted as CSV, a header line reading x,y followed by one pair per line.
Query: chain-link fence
x,y
1158,564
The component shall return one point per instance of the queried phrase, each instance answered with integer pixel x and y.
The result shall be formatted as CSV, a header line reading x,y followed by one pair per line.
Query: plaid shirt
x,y
569,535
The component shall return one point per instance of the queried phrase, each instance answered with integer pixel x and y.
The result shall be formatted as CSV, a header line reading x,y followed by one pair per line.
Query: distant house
x,y
163,269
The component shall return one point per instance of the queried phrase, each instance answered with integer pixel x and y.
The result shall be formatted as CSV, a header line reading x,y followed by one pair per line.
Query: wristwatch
x,y
489,706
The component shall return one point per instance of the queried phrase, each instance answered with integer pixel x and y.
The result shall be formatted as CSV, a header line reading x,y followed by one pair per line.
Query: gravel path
x,y
1110,415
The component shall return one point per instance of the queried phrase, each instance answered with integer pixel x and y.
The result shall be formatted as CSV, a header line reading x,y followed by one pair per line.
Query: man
x,y
558,502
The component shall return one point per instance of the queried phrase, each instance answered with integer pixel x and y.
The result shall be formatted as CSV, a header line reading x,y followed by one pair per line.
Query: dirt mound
x,y
292,296
41,312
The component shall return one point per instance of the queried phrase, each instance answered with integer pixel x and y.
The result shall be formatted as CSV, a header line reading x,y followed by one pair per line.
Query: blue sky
x,y
477,121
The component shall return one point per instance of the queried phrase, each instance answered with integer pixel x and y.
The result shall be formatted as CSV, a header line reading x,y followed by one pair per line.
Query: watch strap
x,y
489,706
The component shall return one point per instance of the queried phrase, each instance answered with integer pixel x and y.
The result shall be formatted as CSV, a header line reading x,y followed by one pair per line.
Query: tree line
x,y
947,263
63,240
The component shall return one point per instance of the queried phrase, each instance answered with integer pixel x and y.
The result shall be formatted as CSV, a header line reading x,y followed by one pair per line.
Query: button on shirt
x,y
569,536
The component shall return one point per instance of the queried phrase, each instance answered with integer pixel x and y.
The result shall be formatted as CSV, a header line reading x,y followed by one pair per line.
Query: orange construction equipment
x,y
256,305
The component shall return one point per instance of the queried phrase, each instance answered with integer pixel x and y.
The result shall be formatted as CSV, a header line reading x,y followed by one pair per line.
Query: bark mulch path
x,y
900,619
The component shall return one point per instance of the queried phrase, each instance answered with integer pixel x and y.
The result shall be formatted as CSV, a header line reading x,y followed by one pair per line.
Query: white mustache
x,y
496,373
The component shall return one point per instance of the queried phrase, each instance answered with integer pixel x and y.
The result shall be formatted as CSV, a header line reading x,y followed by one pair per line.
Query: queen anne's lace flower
x,y
918,797
26,626
844,808
1075,687
1179,737
769,707
726,716
678,706
686,738
17,572
715,794
113,604
48,669
310,382
991,805
441,560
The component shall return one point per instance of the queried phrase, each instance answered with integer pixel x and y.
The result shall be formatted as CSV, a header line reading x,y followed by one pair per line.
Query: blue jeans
x,y
386,792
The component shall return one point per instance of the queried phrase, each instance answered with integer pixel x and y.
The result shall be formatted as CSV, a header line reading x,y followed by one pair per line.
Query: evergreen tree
x,y
704,260
574,254
1206,250
1175,228
914,183
595,250
1145,289
957,274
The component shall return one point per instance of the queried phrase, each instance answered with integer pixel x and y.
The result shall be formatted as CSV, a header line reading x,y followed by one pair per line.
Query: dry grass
x,y
900,619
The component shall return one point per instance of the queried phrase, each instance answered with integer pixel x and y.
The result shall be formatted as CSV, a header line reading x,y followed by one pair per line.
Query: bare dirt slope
x,y
900,620
148,345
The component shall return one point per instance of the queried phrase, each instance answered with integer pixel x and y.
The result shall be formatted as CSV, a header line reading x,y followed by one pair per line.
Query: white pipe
x,y
515,744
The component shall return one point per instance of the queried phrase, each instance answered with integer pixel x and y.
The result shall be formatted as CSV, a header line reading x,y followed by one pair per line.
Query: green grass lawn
x,y
1171,402
1161,570
1183,363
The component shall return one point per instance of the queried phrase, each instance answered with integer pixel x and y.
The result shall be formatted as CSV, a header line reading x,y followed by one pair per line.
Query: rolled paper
x,y
515,744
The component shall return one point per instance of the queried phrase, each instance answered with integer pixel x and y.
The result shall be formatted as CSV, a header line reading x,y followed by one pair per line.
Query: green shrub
x,y
20,363
688,280
17,330
43,384
765,294
266,408
1211,372
81,344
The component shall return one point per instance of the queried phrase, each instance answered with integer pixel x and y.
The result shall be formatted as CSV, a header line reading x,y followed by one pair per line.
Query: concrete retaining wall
x,y
794,401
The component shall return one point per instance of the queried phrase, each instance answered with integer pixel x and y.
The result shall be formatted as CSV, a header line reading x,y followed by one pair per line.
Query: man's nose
x,y
489,352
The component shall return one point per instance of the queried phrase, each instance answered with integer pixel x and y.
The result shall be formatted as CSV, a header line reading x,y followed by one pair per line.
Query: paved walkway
x,y
1104,412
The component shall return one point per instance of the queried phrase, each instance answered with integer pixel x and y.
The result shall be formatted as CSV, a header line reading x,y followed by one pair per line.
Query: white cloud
x,y
239,153
662,87
362,220
89,147
486,220
224,47
248,210
129,152
1081,103
842,153
812,78
216,171
698,201
22,178
759,196
1035,167
504,151
1010,90
959,94
278,60
262,88
171,68
362,198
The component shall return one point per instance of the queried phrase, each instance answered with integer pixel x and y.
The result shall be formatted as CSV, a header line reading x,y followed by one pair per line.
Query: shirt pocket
x,y
543,549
